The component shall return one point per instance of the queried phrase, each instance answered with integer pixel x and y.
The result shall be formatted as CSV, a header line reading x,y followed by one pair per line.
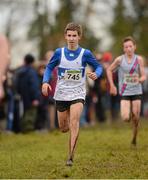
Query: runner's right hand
x,y
46,88
113,90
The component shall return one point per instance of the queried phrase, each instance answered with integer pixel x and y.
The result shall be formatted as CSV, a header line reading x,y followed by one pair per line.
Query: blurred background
x,y
36,27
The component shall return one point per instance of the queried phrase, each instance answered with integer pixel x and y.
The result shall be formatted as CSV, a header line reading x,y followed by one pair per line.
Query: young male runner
x,y
70,89
131,75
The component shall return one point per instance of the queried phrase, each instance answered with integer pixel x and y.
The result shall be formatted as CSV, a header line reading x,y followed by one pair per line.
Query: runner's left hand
x,y
92,75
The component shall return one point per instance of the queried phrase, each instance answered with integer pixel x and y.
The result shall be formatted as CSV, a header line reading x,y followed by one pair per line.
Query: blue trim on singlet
x,y
88,58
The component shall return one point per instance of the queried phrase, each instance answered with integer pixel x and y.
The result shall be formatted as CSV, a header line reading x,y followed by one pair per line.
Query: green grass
x,y
102,152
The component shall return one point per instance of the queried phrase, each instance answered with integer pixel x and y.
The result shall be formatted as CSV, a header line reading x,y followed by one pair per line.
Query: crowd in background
x,y
25,109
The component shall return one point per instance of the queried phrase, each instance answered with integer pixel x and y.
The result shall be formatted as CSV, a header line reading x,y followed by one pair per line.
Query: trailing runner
x,y
131,75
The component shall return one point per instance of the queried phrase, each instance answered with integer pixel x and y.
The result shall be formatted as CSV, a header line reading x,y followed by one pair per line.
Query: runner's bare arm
x,y
142,77
45,89
92,75
4,55
4,61
111,68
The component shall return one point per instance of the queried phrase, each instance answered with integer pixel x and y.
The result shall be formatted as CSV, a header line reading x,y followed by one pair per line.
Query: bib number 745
x,y
73,75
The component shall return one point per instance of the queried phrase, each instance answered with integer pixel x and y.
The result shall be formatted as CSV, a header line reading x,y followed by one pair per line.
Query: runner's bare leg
x,y
63,120
136,107
75,113
125,110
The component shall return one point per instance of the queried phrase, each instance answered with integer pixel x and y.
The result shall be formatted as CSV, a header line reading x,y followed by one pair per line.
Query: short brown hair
x,y
129,38
73,27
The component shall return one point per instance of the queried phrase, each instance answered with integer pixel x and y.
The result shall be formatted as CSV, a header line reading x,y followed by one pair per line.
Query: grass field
x,y
102,152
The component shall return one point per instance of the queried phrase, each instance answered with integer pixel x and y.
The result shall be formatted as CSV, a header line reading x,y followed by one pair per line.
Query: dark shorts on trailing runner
x,y
65,105
132,97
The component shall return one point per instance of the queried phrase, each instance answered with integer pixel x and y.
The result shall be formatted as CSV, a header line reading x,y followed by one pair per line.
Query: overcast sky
x,y
101,16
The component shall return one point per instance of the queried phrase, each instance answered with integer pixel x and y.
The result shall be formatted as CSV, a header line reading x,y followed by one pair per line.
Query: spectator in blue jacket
x,y
27,88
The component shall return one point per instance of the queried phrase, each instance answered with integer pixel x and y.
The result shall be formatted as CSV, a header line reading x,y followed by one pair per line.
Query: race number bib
x,y
131,79
73,75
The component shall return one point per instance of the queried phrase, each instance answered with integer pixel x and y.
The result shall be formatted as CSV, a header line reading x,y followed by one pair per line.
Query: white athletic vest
x,y
132,88
71,79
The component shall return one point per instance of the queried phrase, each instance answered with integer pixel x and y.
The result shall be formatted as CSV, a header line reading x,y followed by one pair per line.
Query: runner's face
x,y
72,39
129,48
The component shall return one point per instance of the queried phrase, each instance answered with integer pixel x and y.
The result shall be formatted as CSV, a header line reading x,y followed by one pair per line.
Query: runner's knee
x,y
64,129
135,119
125,117
135,115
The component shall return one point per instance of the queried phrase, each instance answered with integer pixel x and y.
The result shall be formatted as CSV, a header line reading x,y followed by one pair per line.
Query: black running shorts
x,y
65,105
132,98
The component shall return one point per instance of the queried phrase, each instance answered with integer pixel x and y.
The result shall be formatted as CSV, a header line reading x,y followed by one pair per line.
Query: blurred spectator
x,y
106,59
42,116
51,108
99,93
27,87
145,92
10,96
88,115
112,102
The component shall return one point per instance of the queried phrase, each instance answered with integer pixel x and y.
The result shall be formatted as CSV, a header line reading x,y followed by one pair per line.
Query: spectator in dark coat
x,y
27,87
